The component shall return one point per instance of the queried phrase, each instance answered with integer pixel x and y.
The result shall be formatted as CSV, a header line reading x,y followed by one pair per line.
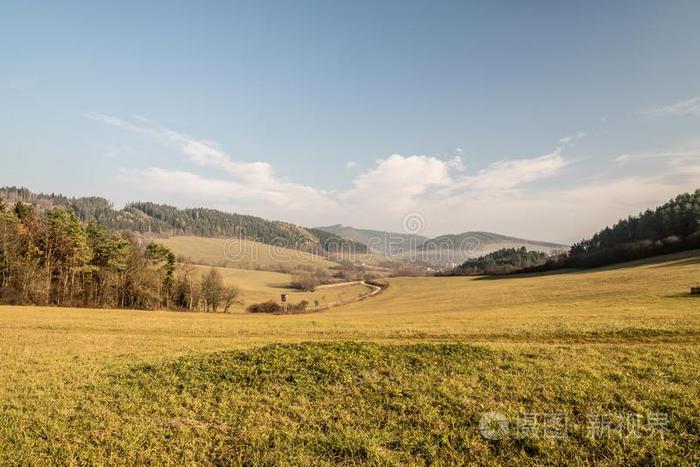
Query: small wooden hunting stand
x,y
284,298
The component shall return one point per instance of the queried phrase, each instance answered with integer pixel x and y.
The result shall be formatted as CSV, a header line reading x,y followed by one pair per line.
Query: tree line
x,y
503,261
53,258
671,227
146,217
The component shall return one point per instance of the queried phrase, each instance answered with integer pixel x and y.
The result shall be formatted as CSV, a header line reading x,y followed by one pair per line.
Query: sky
x,y
540,119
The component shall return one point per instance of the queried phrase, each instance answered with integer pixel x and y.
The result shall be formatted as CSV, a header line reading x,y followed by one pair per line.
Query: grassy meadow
x,y
241,254
400,378
250,255
261,286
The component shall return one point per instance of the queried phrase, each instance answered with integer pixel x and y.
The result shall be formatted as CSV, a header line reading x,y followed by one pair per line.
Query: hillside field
x,y
242,254
401,378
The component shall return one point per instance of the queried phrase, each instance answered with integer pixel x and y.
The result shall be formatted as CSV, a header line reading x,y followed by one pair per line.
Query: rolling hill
x,y
457,248
242,254
381,242
159,219
441,250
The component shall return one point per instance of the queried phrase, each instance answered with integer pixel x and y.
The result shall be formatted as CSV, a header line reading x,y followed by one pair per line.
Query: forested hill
x,y
167,220
673,226
502,261
488,240
461,246
382,242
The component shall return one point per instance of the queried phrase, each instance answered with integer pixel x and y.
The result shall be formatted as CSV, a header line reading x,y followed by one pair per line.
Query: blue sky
x,y
538,119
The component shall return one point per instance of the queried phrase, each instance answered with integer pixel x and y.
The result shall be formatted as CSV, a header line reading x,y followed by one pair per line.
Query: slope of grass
x,y
323,404
401,378
638,297
242,254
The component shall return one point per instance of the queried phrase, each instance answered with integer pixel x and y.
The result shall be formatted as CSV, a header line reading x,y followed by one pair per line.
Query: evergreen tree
x,y
672,226
155,218
56,259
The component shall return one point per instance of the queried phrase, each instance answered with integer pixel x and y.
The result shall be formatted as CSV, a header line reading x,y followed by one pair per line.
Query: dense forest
x,y
52,258
503,261
152,218
674,226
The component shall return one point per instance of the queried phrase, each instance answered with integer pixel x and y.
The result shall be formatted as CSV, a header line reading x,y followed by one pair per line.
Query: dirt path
x,y
338,284
375,288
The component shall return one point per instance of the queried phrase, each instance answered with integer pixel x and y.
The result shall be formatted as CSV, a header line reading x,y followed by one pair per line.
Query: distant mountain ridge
x,y
444,249
381,242
161,219
490,238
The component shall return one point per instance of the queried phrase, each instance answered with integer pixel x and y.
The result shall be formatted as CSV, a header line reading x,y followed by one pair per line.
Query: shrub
x,y
383,283
304,281
298,307
274,307
265,307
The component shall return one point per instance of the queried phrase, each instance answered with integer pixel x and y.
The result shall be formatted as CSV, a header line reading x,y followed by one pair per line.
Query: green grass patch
x,y
352,403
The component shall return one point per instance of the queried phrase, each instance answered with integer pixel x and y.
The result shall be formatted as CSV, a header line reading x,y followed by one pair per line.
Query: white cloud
x,y
604,203
252,180
505,176
504,196
563,213
141,118
673,156
181,183
210,154
687,107
385,191
569,140
188,188
397,179
350,164
199,151
117,122
456,163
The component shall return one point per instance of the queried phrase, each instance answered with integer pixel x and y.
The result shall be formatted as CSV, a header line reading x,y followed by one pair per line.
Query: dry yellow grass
x,y
651,294
649,297
243,254
261,286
